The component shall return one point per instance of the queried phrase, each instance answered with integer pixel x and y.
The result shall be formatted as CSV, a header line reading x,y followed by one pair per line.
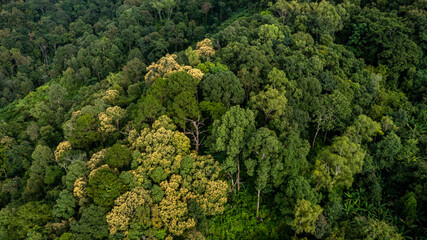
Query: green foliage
x,y
388,148
104,186
240,221
118,156
336,165
363,129
306,215
158,175
157,193
271,103
409,206
42,156
295,188
53,173
85,134
368,228
209,67
91,225
304,105
231,133
215,110
223,87
65,205
75,170
16,223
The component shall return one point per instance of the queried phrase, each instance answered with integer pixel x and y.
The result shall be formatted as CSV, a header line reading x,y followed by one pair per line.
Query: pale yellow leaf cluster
x,y
125,208
209,192
196,73
7,141
105,166
186,175
111,96
106,125
137,175
76,114
96,159
57,227
161,67
109,120
61,148
205,48
166,66
215,197
161,147
173,207
156,221
165,122
79,190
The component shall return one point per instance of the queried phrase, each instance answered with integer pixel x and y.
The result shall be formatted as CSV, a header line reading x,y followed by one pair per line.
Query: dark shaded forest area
x,y
173,119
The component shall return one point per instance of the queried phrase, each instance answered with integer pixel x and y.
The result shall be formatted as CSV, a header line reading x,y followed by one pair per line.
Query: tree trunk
x,y
315,135
160,15
324,137
238,175
231,190
196,132
257,205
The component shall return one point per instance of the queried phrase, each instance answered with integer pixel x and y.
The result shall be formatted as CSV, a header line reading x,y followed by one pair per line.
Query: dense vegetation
x,y
168,119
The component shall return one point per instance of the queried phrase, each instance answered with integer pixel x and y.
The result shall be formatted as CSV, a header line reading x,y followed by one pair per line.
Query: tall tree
x,y
231,134
306,215
223,87
336,165
42,156
262,159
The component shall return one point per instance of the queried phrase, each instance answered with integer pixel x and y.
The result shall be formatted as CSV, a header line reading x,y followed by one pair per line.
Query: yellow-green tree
x,y
182,176
205,49
336,165
126,207
306,215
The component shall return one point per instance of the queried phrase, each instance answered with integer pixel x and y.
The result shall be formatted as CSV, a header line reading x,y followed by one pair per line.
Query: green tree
x,y
363,129
65,204
85,134
148,109
295,188
192,56
42,156
76,170
388,150
118,156
104,186
91,225
134,70
294,152
230,135
336,165
223,87
271,102
262,159
185,107
306,215
166,6
335,109
17,222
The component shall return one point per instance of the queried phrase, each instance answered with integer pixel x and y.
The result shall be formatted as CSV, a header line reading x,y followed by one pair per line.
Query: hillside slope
x,y
212,120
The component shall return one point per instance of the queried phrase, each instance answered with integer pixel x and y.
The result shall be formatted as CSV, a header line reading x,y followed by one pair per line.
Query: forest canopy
x,y
173,119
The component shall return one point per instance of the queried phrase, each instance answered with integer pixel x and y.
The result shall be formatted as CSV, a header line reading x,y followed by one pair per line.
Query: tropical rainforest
x,y
213,119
